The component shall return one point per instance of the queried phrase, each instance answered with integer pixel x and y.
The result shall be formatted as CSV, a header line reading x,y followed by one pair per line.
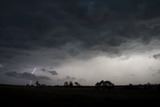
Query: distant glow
x,y
120,70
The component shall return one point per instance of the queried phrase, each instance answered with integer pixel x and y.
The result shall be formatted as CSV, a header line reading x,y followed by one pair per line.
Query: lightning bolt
x,y
34,70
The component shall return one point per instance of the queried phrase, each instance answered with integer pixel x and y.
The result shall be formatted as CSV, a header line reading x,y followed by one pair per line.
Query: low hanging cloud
x,y
156,56
51,72
27,76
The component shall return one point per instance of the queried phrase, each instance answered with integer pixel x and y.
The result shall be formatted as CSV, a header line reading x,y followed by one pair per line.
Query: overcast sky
x,y
79,40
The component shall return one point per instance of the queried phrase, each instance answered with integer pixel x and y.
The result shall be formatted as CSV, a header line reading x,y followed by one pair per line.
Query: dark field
x,y
76,97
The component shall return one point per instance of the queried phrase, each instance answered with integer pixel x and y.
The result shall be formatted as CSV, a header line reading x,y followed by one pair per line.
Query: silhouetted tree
x,y
66,84
108,83
147,86
104,84
158,86
37,83
130,84
70,84
101,83
97,85
77,84
27,85
43,85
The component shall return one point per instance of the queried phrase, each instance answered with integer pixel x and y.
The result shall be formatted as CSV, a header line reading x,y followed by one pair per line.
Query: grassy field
x,y
76,97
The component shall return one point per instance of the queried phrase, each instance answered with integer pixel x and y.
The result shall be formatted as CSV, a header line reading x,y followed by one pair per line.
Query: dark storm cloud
x,y
32,24
51,72
9,53
156,56
50,33
72,27
27,76
44,70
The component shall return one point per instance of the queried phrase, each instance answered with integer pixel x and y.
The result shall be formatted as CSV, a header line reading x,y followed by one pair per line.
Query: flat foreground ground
x,y
76,97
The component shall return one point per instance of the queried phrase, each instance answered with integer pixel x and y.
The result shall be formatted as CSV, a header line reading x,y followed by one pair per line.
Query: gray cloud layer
x,y
32,24
75,26
47,32
27,76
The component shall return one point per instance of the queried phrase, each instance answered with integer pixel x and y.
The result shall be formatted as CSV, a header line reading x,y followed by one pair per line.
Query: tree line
x,y
103,85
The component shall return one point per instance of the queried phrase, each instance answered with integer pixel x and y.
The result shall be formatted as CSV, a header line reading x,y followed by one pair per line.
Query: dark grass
x,y
76,97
